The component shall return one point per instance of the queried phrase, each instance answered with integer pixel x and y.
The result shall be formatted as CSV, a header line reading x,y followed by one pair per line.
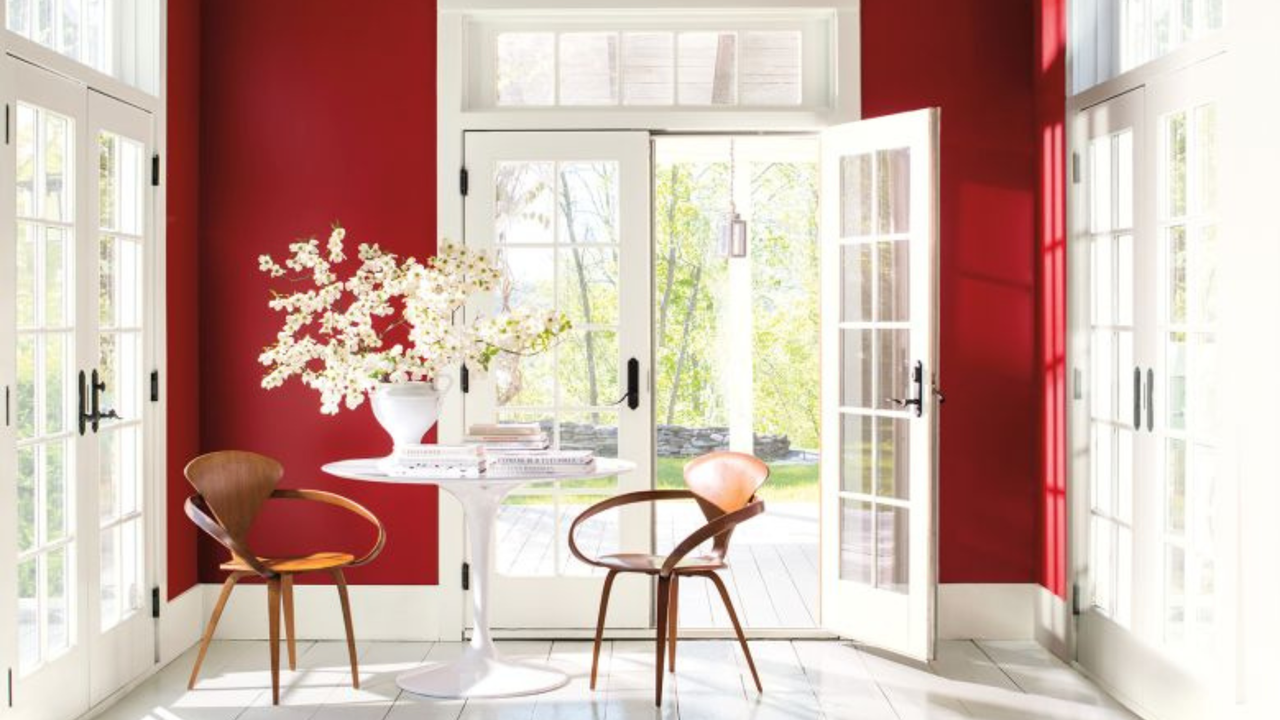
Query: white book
x,y
505,429
552,457
540,470
411,452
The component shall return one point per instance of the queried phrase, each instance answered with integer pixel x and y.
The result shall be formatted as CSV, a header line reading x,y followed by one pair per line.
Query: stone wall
x,y
672,440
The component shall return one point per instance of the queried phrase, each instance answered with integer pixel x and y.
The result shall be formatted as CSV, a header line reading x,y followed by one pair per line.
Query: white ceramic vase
x,y
407,410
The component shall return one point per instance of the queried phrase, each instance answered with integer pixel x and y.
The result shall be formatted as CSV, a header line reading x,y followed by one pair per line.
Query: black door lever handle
x,y
632,396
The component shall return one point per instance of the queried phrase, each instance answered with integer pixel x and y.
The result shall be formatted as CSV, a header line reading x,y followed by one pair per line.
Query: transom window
x,y
751,60
120,38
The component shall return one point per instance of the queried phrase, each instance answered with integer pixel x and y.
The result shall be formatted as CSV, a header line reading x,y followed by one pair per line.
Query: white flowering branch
x,y
335,333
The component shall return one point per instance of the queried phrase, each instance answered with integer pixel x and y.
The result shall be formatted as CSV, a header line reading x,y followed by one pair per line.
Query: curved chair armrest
x,y
348,504
708,531
630,498
214,530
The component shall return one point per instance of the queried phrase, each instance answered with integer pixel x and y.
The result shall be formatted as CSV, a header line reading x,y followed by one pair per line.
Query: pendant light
x,y
733,233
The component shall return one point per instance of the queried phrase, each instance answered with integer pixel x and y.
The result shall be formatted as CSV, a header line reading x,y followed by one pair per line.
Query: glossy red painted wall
x,y
319,110
182,376
971,58
312,111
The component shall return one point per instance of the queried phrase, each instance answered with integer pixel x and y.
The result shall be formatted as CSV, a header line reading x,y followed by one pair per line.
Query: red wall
x,y
1051,318
316,110
312,111
182,189
970,57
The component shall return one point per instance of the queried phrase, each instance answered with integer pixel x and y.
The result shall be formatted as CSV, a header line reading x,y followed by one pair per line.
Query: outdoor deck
x,y
773,575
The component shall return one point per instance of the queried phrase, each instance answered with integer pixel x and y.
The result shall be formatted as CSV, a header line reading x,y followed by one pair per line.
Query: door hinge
x,y
8,420
155,601
1077,384
464,380
463,181
10,687
155,386
1075,599
155,170
6,123
466,576
1075,168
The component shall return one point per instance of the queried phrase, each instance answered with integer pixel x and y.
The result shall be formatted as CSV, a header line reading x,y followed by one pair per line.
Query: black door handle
x,y
1151,400
917,378
1137,398
94,415
632,396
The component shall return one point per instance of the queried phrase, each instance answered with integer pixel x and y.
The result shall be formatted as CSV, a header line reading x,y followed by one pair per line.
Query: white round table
x,y
481,672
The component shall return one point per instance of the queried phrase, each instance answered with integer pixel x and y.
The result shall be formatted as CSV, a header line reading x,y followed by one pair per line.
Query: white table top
x,y
367,469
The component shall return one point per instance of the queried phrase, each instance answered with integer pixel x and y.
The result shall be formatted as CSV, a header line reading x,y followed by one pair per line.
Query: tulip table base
x,y
481,672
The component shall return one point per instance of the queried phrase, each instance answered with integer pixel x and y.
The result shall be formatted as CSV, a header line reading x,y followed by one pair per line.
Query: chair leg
x,y
673,623
341,581
227,587
273,635
286,593
604,609
733,616
664,599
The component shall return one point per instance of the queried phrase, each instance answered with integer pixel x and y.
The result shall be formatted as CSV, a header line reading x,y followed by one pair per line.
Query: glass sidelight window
x,y
1187,288
44,397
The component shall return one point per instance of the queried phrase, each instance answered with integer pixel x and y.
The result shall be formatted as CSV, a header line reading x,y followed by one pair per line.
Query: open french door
x,y
567,214
879,401
75,262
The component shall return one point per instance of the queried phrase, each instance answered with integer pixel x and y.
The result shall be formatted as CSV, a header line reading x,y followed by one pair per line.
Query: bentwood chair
x,y
231,487
724,485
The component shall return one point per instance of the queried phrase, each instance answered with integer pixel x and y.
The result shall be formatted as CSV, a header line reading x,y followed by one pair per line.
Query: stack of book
x,y
508,437
543,461
435,461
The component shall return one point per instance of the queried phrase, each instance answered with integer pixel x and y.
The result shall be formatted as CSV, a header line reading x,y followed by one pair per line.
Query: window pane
x,y
856,291
26,161
57,149
856,369
1175,165
525,202
893,190
1177,293
57,266
589,285
57,383
25,400
893,362
109,590
771,68
588,68
857,453
587,202
1176,379
588,368
707,72
26,250
856,541
58,600
893,559
855,196
57,509
648,68
1100,184
26,498
893,458
894,279
108,189
1175,459
28,615
526,68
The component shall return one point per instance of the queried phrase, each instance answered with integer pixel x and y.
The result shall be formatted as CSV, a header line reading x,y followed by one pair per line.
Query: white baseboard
x,y
1053,623
379,612
987,611
181,620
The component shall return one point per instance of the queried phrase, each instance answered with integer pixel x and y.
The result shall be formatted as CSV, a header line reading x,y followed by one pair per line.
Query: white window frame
x,y
175,632
454,119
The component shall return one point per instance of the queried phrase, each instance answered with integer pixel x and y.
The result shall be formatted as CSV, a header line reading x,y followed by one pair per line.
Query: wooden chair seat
x,y
653,564
305,563
231,488
724,485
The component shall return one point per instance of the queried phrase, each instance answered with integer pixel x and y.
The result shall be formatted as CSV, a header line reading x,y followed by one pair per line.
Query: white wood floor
x,y
802,679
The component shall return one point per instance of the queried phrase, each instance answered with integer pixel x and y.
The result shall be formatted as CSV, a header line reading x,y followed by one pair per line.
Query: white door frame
x,y
453,120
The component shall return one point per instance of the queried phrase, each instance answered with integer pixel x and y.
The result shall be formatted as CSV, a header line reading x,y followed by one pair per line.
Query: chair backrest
x,y
723,482
727,480
234,485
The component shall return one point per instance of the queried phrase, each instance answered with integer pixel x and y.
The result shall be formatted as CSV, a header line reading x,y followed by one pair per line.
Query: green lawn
x,y
787,483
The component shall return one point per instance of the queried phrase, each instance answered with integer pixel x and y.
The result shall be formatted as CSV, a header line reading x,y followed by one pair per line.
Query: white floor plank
x,y
802,680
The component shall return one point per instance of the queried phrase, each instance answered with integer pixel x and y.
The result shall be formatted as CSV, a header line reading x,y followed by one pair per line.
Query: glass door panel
x,y
566,216
879,336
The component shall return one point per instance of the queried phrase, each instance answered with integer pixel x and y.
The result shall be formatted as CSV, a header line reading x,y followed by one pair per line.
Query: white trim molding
x,y
988,611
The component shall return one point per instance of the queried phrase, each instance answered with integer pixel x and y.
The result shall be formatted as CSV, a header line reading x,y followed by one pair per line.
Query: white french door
x,y
567,214
1153,562
74,573
879,402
